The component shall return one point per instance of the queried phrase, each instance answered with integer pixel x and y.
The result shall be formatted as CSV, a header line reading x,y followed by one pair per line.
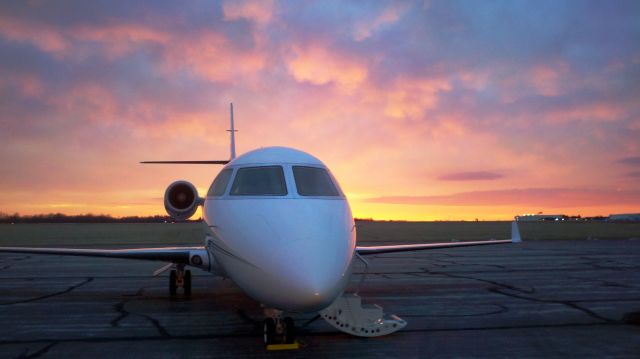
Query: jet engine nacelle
x,y
181,200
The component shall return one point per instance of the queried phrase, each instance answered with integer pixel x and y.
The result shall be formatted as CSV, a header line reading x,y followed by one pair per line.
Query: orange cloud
x,y
598,111
470,176
212,56
410,97
90,101
319,66
79,110
118,38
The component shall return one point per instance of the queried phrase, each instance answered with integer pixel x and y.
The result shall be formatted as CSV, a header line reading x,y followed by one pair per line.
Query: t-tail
x,y
232,130
232,149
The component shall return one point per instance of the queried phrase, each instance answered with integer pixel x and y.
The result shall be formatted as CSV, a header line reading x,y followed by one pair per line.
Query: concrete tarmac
x,y
550,298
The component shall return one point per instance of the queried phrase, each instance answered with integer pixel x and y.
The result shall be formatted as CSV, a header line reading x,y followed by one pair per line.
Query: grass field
x,y
409,232
135,234
91,234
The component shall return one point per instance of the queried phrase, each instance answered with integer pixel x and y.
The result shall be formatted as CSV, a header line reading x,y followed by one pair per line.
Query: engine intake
x,y
181,200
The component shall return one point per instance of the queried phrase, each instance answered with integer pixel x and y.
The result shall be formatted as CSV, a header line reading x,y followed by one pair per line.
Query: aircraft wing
x,y
365,250
196,256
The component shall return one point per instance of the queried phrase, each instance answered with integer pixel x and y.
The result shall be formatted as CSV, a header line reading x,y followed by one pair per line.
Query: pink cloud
x,y
595,111
207,53
260,12
40,35
365,28
470,176
214,57
121,38
532,197
549,79
29,85
93,93
630,161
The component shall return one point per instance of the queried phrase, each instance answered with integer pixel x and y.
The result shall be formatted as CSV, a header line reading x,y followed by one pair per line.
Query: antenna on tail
x,y
232,130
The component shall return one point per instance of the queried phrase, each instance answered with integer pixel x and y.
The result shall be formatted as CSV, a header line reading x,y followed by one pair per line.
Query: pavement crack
x,y
138,293
499,285
124,313
163,332
69,289
503,285
25,354
499,310
567,303
605,283
597,263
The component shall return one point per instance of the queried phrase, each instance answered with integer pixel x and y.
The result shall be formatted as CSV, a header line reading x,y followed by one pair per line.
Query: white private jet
x,y
278,225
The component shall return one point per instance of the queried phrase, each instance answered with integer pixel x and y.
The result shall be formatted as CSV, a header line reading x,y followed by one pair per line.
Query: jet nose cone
x,y
314,286
289,254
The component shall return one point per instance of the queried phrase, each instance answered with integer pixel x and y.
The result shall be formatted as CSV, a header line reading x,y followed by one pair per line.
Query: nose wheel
x,y
279,331
180,277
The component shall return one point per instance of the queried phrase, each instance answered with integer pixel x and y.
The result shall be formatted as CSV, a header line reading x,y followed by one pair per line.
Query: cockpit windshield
x,y
219,185
259,181
314,181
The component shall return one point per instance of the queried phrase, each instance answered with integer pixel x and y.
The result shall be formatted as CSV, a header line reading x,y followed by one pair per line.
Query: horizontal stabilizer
x,y
222,162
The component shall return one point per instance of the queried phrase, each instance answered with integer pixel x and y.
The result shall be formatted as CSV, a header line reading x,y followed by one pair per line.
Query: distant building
x,y
625,217
540,217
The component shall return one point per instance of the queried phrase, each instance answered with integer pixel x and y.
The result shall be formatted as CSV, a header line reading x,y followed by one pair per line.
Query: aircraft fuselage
x,y
289,251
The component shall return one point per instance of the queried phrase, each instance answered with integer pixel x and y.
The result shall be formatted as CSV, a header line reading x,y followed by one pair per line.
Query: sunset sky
x,y
428,110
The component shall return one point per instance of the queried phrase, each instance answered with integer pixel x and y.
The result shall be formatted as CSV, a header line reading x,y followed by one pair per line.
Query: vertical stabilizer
x,y
233,135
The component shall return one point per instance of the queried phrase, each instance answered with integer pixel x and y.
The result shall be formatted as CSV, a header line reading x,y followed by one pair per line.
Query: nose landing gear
x,y
279,333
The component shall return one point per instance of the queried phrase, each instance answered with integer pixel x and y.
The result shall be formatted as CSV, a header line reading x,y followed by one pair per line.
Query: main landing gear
x,y
180,277
279,333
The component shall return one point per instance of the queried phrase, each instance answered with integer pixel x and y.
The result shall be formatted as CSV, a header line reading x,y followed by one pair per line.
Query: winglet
x,y
515,232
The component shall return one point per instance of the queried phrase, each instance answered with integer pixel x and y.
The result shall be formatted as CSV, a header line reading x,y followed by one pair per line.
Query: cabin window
x,y
219,185
259,181
314,181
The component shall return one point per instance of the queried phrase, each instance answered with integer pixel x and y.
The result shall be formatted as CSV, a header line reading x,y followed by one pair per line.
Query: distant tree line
x,y
81,218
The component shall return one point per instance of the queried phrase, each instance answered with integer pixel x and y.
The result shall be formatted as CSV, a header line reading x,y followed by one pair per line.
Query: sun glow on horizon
x,y
419,116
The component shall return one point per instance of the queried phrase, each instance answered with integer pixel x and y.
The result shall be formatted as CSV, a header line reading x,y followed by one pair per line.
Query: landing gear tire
x,y
187,282
173,279
289,331
277,331
269,331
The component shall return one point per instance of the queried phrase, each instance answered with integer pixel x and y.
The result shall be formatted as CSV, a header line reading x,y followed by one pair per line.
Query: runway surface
x,y
537,299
